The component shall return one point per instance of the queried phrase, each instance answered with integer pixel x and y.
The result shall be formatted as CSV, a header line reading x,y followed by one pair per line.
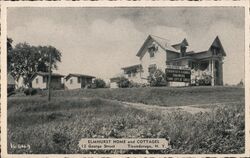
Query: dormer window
x,y
152,49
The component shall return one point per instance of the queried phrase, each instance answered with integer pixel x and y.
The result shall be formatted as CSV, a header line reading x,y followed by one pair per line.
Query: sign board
x,y
178,75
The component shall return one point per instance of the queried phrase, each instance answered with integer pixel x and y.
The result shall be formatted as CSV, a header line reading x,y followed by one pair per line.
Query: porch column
x,y
212,72
221,72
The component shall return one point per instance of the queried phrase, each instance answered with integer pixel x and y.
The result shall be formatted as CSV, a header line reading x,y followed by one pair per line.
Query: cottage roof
x,y
45,74
10,79
115,79
78,75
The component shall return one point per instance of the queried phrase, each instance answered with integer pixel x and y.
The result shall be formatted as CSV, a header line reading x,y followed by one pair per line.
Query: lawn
x,y
57,127
164,96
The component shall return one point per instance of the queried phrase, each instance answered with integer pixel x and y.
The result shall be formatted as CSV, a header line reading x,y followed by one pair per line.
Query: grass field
x,y
57,127
164,96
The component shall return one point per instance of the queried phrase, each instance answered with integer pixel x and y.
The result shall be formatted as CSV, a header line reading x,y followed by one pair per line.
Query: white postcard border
x,y
5,5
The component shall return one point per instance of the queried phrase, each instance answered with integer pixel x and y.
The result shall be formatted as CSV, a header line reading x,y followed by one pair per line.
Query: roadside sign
x,y
178,75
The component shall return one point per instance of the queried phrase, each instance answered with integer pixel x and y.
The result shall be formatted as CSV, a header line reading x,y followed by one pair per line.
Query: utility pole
x,y
49,82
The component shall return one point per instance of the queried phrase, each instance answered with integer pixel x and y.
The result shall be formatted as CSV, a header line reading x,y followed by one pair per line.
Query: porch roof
x,y
78,75
133,67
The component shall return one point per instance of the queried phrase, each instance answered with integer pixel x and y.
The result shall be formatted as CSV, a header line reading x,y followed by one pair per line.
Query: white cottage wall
x,y
73,85
40,83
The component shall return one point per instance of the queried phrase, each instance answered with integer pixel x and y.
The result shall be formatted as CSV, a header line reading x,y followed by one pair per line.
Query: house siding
x,y
74,84
159,60
40,84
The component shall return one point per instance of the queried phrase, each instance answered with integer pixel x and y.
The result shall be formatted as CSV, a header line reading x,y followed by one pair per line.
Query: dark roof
x,y
115,79
45,74
78,75
132,67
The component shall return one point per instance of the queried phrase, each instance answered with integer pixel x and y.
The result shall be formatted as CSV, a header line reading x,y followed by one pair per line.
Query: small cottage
x,y
40,80
114,82
75,81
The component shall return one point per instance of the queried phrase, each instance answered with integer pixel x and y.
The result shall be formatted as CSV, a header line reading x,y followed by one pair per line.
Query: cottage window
x,y
37,80
44,79
78,79
133,74
129,74
71,81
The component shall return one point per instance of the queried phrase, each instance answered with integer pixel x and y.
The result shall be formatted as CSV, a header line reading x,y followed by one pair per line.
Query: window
x,y
133,74
71,81
151,54
151,68
78,79
44,79
129,74
37,80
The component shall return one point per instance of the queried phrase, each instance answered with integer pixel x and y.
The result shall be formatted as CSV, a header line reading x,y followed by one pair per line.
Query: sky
x,y
100,41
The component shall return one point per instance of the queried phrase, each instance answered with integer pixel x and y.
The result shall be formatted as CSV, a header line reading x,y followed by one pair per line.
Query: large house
x,y
75,81
159,53
40,80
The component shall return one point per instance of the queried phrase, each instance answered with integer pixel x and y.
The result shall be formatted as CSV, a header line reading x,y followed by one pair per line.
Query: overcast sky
x,y
99,41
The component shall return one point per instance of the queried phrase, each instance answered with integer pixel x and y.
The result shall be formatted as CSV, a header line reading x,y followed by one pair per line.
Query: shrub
x,y
157,78
98,83
205,80
30,91
123,82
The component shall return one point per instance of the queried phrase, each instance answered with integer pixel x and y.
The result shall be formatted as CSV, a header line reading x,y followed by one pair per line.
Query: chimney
x,y
183,47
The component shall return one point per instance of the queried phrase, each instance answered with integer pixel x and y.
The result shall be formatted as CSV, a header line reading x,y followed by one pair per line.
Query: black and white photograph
x,y
124,80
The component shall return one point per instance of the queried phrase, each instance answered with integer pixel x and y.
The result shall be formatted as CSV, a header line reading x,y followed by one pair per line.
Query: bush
x,y
123,82
157,78
30,91
99,83
204,81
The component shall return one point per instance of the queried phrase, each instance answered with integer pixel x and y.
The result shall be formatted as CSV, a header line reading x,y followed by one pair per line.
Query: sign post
x,y
49,82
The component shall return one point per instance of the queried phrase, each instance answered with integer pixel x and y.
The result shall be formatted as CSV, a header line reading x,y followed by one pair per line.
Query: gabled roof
x,y
45,74
162,42
207,44
183,43
78,75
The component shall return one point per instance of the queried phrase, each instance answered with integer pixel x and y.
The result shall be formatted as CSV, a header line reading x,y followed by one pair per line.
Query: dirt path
x,y
163,109
193,109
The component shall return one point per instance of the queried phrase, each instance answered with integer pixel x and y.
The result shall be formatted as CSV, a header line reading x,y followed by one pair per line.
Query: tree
x,y
99,83
24,60
157,78
9,49
123,82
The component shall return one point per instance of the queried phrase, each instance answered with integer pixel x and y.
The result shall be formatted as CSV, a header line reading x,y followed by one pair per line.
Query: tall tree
x,y
25,59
